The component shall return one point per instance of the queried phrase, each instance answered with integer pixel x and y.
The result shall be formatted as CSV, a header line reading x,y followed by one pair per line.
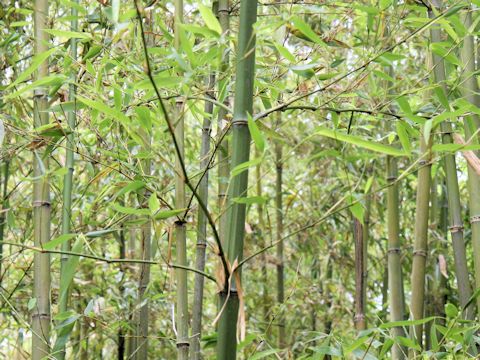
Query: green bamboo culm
x,y
183,342
223,123
67,194
197,308
470,92
358,233
395,280
243,105
142,315
420,246
282,336
453,193
3,218
41,199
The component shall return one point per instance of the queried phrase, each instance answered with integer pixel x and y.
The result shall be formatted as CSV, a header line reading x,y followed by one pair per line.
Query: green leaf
x,y
168,214
355,140
129,210
403,136
393,324
256,134
427,130
250,200
263,354
31,303
451,310
209,18
37,60
99,233
407,342
70,268
246,165
306,30
68,34
153,203
52,244
46,81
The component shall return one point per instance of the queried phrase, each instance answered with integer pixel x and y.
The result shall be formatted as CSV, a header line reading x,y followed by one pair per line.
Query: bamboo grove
x,y
239,179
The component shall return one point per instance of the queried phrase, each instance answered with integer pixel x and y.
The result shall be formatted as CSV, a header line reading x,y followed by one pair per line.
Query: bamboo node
x,y
420,253
474,219
240,122
392,178
359,317
40,203
455,228
422,162
40,92
394,251
180,222
183,343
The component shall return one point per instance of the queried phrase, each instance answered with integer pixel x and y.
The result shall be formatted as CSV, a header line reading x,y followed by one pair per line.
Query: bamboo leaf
x,y
263,354
393,324
355,140
168,214
52,244
129,210
37,60
68,34
256,134
403,136
209,18
153,203
250,200
305,30
246,165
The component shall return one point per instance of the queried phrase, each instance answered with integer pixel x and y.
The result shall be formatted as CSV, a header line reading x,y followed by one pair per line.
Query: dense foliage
x,y
363,114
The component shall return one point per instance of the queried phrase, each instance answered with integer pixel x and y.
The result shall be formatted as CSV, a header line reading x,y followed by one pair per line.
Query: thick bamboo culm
x,y
243,105
41,201
453,193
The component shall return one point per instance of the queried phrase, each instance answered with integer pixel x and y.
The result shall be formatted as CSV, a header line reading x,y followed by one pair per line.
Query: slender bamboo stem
x,y
395,280
282,341
243,105
68,178
470,92
3,218
223,157
41,200
261,241
421,238
183,342
453,193
146,240
358,233
197,309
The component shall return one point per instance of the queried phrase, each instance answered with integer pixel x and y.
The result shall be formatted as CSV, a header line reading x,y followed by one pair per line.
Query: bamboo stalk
x,y
395,280
359,318
183,342
223,157
282,341
470,91
421,238
68,178
453,193
3,218
41,201
261,240
146,240
243,105
197,309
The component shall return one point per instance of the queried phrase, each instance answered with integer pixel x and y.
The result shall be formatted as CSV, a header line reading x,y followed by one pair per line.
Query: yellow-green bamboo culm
x,y
41,315
197,308
470,92
243,105
282,336
453,193
182,319
67,186
223,152
420,246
